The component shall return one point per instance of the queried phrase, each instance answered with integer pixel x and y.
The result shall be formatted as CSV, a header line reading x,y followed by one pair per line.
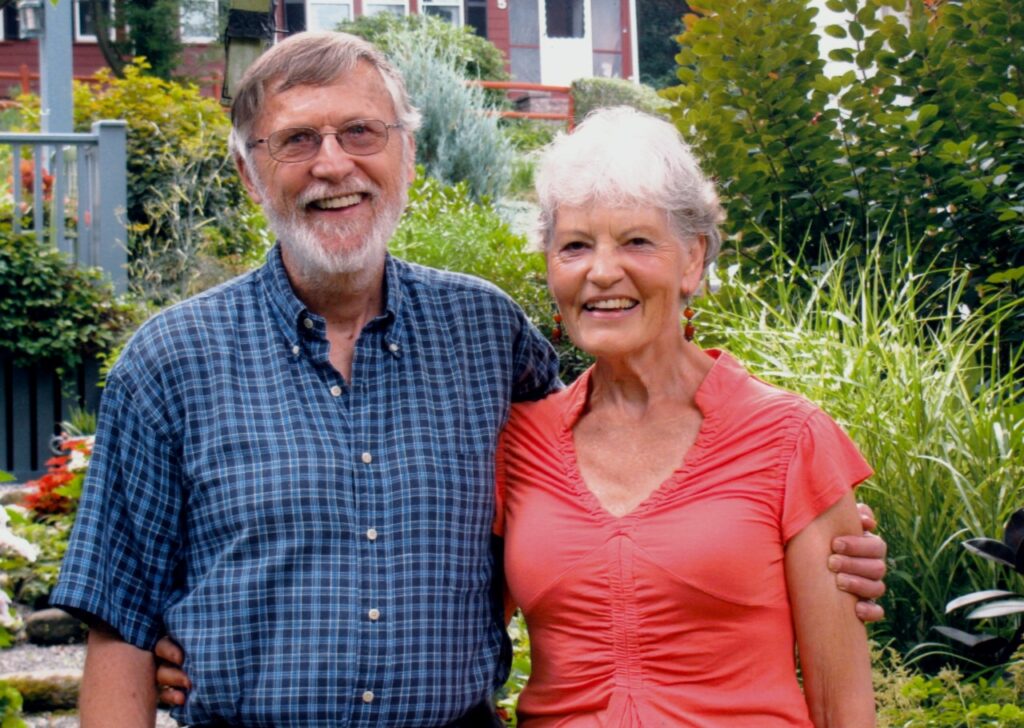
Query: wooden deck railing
x,y
565,91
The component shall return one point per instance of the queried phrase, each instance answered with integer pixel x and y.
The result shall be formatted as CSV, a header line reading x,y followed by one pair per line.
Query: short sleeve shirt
x,y
677,613
321,548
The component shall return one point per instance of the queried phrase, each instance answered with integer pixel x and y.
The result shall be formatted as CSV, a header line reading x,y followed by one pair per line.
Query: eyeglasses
x,y
299,144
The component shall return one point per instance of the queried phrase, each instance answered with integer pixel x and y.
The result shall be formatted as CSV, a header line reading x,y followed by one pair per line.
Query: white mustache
x,y
324,191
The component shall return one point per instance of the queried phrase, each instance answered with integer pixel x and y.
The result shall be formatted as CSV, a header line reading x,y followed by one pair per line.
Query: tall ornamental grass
x,y
884,342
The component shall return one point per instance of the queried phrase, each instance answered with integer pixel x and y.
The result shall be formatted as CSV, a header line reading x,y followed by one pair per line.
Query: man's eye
x,y
357,130
299,137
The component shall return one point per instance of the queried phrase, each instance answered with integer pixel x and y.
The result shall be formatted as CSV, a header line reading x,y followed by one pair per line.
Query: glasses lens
x,y
293,145
364,137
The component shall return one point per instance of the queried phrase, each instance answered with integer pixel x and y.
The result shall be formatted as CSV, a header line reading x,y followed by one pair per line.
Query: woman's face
x,y
618,276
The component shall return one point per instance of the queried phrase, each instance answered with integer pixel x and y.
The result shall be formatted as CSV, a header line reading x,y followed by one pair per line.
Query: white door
x,y
566,48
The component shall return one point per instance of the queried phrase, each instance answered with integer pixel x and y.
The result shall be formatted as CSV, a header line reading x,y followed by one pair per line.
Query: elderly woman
x,y
668,517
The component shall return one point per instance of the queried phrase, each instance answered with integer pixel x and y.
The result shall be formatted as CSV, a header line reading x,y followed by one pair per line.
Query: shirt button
x,y
335,391
296,350
368,696
392,348
308,323
371,534
367,458
374,615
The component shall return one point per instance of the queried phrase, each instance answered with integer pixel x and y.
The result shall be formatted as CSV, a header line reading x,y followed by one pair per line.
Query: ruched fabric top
x,y
675,614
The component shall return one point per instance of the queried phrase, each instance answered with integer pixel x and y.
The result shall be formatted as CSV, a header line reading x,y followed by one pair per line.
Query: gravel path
x,y
29,658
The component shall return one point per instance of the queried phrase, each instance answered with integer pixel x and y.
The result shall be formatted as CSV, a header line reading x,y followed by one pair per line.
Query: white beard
x,y
303,239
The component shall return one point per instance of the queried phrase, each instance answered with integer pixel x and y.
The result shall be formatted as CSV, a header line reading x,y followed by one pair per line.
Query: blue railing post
x,y
110,240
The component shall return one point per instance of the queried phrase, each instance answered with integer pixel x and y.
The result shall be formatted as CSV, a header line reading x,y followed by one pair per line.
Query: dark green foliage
x,y
928,123
658,23
595,93
53,311
476,57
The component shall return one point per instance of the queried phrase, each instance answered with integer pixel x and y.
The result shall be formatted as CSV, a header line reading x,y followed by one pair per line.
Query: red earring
x,y
556,332
688,328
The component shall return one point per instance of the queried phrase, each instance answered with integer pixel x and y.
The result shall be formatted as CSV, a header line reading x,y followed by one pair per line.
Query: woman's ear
x,y
693,270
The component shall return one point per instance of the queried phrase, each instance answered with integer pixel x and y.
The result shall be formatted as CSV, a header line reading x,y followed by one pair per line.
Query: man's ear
x,y
247,179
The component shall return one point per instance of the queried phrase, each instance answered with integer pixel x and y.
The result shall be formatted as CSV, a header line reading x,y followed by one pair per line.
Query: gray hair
x,y
621,157
311,59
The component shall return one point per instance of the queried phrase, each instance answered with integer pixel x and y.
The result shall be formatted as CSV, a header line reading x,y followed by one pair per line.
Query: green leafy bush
x,y
927,123
10,707
595,93
909,699
912,372
459,140
53,311
187,207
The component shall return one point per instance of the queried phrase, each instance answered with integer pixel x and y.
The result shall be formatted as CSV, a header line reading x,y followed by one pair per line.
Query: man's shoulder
x,y
434,281
184,326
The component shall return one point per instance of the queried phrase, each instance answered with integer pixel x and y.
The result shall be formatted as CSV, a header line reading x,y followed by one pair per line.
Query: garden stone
x,y
13,495
53,627
46,689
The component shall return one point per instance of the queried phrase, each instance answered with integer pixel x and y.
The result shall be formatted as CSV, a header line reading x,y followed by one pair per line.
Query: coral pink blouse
x,y
677,613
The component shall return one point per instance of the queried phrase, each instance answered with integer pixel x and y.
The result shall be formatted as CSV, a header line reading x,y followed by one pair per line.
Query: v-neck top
x,y
677,613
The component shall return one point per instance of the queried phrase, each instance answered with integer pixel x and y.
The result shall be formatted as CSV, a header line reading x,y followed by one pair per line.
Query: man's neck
x,y
347,301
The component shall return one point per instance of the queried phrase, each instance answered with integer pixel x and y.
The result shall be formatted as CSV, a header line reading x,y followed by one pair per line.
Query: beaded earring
x,y
688,328
556,331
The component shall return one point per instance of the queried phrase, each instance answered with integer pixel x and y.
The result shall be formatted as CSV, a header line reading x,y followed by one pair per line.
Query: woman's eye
x,y
573,246
641,242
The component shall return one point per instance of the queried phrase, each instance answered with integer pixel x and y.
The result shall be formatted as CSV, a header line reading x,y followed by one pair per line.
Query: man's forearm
x,y
118,685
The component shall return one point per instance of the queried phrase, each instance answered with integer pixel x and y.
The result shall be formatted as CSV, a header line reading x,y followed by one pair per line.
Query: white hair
x,y
621,157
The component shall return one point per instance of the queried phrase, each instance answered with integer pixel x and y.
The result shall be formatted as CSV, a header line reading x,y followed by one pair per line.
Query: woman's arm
x,y
832,642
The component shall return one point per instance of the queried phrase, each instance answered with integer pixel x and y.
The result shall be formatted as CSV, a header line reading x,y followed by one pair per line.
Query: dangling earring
x,y
688,328
556,331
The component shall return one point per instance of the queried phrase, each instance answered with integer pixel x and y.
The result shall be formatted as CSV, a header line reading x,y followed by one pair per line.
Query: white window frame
x,y
213,5
79,35
403,3
457,4
312,3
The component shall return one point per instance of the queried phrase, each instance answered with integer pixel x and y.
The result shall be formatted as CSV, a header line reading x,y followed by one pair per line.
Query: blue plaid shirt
x,y
319,548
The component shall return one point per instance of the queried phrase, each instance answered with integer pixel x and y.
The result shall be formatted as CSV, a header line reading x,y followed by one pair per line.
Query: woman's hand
x,y
171,681
859,565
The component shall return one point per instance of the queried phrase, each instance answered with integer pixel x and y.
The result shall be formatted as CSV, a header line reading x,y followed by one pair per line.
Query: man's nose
x,y
331,159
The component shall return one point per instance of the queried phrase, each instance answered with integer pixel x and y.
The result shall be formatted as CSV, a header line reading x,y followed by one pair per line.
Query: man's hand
x,y
172,683
859,566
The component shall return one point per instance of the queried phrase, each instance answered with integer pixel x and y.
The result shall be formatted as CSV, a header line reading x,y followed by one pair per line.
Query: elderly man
x,y
293,472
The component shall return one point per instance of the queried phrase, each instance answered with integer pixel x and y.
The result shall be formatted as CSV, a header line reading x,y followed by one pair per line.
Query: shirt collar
x,y
291,313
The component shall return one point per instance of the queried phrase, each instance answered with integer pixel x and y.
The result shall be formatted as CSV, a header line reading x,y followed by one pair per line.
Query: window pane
x,y
86,22
328,16
564,18
606,24
449,14
199,19
524,23
295,15
376,8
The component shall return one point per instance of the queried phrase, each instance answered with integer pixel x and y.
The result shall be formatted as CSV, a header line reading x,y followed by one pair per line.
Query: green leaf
x,y
5,477
856,31
836,31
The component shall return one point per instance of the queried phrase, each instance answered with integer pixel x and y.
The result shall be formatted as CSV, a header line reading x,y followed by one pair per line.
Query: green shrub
x,y
53,311
181,183
927,123
459,139
922,393
10,707
595,93
908,699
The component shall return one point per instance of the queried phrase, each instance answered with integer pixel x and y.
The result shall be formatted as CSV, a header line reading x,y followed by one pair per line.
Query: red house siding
x,y
498,31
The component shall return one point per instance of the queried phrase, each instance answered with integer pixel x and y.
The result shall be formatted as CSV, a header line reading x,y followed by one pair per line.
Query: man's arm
x,y
859,565
118,685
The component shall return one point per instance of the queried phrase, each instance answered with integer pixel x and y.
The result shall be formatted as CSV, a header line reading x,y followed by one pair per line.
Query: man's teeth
x,y
610,304
334,203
